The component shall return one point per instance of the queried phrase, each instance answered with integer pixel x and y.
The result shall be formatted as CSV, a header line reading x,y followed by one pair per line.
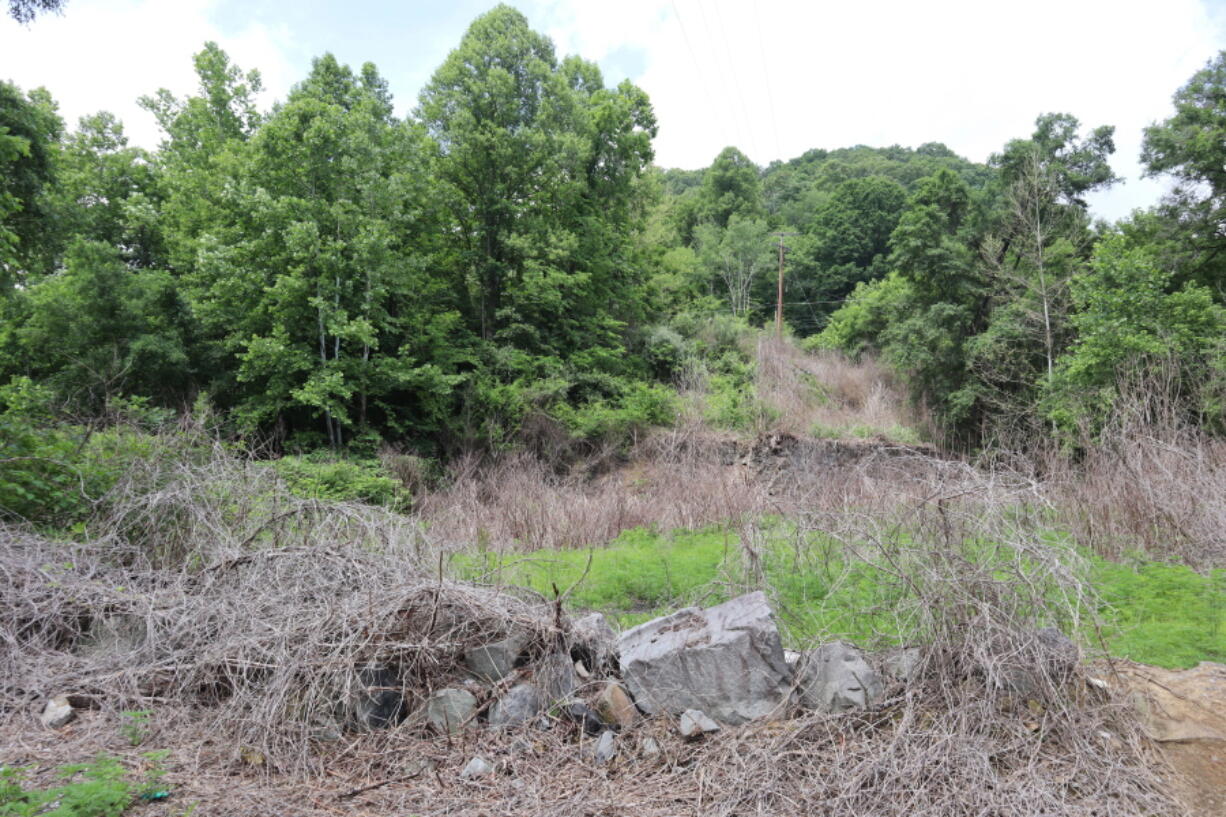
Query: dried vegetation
x,y
244,619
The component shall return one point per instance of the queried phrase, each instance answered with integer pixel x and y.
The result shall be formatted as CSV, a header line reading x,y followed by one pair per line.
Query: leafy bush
x,y
54,471
321,476
733,404
639,407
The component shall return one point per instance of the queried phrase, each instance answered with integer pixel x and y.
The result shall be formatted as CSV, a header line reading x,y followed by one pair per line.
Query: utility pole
x,y
779,294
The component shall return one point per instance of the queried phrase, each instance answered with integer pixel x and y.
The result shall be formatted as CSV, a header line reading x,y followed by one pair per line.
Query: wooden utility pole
x,y
779,294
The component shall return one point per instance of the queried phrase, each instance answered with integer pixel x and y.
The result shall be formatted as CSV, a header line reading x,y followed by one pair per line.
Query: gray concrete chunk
x,y
447,710
521,704
726,661
836,678
695,724
493,662
58,712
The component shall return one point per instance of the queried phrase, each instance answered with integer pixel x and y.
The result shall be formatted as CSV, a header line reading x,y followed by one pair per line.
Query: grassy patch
x,y
1156,613
1163,614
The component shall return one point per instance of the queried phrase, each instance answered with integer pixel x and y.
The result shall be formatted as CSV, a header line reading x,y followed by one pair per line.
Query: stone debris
x,y
695,723
902,665
477,767
379,701
836,678
58,712
586,717
726,661
593,641
448,710
606,748
615,707
493,662
521,704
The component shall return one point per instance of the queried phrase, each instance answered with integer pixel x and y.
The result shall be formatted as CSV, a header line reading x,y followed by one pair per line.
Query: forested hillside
x,y
322,274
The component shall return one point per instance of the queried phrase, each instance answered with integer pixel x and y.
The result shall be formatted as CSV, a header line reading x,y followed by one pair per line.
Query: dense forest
x,y
326,275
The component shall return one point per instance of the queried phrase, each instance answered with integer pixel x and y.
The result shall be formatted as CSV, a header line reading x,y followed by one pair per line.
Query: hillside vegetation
x,y
273,389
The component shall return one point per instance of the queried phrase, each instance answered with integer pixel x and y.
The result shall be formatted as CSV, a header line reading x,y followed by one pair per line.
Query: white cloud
x,y
777,78
105,54
773,77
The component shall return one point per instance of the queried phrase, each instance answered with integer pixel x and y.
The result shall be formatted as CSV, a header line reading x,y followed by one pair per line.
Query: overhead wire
x,y
698,72
736,82
737,113
770,95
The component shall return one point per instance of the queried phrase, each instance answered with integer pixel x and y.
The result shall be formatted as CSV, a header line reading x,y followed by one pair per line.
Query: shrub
x,y
321,476
639,407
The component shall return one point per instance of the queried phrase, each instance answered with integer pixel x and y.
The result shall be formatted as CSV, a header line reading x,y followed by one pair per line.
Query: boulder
x,y
520,704
448,710
58,712
695,724
726,661
493,662
615,707
378,702
836,678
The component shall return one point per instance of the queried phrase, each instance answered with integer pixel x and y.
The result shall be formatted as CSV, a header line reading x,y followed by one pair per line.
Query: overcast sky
x,y
774,78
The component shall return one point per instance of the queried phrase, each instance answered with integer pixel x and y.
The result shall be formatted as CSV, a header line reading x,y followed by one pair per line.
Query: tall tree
x,y
1190,146
310,275
29,132
540,163
731,186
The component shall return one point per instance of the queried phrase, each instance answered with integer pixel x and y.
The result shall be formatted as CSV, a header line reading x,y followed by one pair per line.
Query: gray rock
x,y
650,747
448,710
520,704
58,712
606,748
493,662
836,678
477,767
695,723
1056,657
378,701
901,665
615,707
594,641
586,717
556,676
726,661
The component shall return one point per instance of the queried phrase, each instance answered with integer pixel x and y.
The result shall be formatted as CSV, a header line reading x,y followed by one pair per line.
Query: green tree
x,y
731,187
539,165
29,131
1131,323
98,330
1190,147
310,277
737,257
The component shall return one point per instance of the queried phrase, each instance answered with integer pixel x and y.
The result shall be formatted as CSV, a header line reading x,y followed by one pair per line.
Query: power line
x,y
736,82
698,73
738,121
770,96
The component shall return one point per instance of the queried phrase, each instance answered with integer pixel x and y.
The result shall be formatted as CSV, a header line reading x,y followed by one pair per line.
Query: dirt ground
x,y
1184,711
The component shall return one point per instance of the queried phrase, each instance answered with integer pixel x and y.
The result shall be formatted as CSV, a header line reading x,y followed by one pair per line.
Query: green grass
x,y
1155,613
1163,614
